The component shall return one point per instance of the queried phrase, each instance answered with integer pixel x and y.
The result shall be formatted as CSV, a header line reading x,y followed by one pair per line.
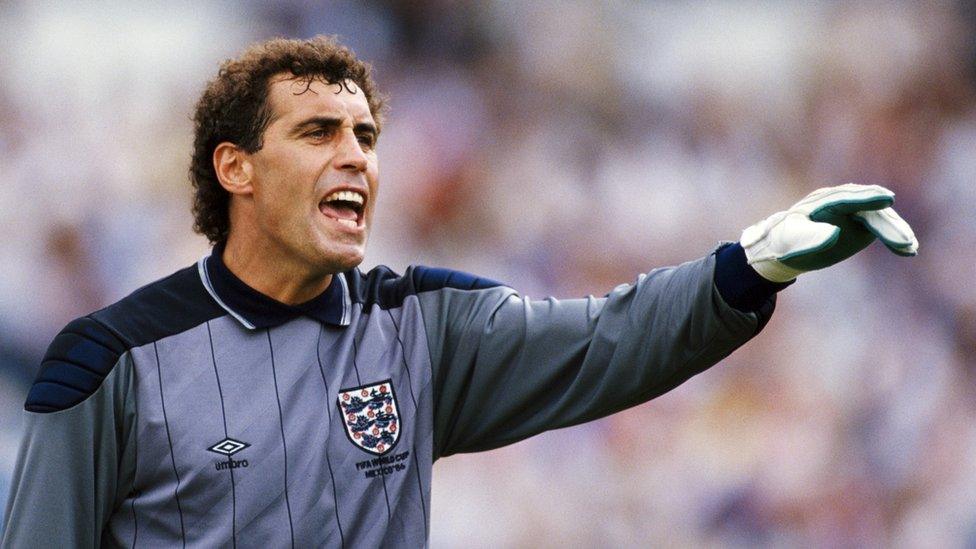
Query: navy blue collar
x,y
255,310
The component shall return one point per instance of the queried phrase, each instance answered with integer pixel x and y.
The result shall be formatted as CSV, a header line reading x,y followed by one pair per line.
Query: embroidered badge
x,y
371,416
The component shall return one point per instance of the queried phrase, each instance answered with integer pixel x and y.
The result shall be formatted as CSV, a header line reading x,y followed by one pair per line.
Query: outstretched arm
x,y
507,367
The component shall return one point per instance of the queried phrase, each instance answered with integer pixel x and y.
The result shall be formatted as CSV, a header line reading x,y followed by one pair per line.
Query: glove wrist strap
x,y
774,271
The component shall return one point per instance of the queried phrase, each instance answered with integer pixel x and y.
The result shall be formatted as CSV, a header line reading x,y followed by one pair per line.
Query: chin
x,y
333,253
340,261
350,264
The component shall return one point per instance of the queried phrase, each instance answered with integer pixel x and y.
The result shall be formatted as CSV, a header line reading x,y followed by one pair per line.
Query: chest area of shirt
x,y
217,400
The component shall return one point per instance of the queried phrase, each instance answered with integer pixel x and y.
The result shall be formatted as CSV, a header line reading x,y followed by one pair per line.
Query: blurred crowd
x,y
565,147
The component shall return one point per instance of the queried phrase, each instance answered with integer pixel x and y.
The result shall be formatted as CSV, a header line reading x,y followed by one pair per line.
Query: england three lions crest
x,y
371,416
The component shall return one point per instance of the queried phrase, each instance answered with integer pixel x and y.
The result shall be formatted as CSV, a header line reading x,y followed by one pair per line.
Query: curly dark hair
x,y
234,108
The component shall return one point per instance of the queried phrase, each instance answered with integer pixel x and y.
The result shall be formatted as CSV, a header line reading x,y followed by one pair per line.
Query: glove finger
x,y
893,231
844,200
850,237
802,238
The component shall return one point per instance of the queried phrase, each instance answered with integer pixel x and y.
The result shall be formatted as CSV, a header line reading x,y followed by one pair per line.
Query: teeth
x,y
347,222
347,196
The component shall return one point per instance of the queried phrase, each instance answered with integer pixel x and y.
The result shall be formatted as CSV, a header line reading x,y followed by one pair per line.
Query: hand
x,y
828,226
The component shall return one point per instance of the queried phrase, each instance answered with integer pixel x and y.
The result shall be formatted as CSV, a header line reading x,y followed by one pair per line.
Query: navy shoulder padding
x,y
388,289
74,366
86,350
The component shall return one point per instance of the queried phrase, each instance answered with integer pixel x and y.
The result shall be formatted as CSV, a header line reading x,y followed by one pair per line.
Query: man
x,y
274,395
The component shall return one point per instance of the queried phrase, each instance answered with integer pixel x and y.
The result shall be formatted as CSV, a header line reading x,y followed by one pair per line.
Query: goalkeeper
x,y
274,395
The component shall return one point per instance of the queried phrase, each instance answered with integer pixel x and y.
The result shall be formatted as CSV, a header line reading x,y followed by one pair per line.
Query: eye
x,y
367,140
320,133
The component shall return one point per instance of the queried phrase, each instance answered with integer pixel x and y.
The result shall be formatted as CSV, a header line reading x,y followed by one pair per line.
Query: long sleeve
x,y
67,476
506,367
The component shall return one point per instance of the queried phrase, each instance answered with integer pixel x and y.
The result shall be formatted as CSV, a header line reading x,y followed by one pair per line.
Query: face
x,y
315,179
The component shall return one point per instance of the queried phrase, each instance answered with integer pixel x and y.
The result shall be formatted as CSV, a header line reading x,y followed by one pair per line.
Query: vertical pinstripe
x,y
223,415
328,410
284,447
416,461
169,439
355,364
135,467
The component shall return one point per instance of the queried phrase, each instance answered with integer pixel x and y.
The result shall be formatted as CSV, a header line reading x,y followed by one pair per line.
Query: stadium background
x,y
563,147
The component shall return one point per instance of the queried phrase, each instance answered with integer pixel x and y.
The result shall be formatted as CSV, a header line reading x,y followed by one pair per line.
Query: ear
x,y
233,167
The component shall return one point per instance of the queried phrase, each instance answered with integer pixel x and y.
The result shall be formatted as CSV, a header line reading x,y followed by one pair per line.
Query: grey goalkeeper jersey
x,y
199,412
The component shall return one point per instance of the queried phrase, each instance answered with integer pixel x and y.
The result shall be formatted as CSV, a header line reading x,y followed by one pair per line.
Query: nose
x,y
349,154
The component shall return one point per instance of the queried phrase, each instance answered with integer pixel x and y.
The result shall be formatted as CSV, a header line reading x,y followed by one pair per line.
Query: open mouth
x,y
346,207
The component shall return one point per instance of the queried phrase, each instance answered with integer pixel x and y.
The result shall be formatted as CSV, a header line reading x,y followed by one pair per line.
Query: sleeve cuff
x,y
739,284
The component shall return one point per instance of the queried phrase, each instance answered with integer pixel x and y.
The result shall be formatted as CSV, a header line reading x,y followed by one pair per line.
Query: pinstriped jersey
x,y
199,412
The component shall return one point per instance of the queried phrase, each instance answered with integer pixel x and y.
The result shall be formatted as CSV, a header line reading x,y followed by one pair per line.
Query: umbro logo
x,y
228,447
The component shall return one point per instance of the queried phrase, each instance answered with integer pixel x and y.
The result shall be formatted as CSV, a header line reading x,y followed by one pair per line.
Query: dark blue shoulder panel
x,y
385,287
163,308
433,278
86,350
74,366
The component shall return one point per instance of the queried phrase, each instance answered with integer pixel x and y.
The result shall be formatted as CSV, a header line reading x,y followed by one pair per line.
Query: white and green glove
x,y
826,227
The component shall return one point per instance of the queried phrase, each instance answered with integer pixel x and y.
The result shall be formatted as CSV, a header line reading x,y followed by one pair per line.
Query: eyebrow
x,y
332,122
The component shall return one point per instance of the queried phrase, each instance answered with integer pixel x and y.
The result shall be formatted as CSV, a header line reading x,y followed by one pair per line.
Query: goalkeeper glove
x,y
826,227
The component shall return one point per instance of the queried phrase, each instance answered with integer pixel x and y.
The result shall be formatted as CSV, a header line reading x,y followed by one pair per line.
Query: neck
x,y
273,273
